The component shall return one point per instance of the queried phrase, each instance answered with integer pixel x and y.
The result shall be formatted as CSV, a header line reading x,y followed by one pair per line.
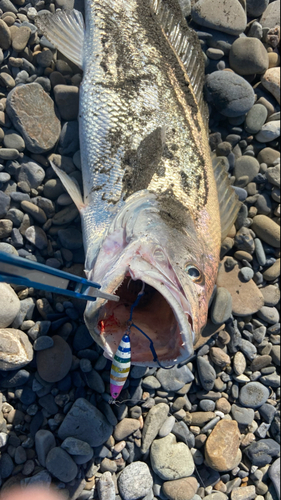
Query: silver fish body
x,y
151,211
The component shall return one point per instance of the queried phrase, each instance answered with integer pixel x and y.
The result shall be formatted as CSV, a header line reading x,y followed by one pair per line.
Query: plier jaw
x,y
27,273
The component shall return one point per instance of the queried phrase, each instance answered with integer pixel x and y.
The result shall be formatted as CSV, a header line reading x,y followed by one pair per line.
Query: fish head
x,y
167,270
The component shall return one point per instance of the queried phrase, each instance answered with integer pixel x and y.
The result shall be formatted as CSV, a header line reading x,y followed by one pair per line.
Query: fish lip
x,y
113,279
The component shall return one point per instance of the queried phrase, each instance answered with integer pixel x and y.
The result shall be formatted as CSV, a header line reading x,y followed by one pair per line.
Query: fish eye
x,y
194,273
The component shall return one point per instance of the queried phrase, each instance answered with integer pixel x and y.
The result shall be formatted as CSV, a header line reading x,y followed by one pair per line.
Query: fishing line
x,y
130,324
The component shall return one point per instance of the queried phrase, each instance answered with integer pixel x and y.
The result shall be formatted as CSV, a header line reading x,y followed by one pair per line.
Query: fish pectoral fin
x,y
65,30
71,187
229,203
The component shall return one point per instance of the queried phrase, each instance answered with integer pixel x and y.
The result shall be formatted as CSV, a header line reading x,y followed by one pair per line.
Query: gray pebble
x,y
135,481
243,416
36,236
253,395
246,274
43,342
61,465
207,373
255,119
175,378
230,93
269,314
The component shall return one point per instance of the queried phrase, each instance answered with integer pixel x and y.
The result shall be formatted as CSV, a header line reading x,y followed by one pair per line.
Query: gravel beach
x,y
208,429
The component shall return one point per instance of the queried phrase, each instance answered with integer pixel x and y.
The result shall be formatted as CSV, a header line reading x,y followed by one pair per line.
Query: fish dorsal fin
x,y
70,185
229,204
186,45
65,30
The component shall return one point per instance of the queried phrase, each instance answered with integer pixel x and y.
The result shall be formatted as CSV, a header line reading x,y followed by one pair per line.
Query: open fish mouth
x,y
163,314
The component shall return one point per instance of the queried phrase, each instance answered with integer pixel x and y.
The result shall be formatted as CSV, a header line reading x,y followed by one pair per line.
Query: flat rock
x,y
243,416
53,364
230,94
271,81
153,423
244,493
225,15
10,305
260,453
222,451
246,166
15,349
269,132
272,272
61,465
267,230
175,378
248,56
135,481
79,420
271,15
253,395
246,297
32,113
171,460
180,489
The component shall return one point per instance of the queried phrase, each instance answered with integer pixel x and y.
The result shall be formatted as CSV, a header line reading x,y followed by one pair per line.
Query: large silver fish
x,y
151,207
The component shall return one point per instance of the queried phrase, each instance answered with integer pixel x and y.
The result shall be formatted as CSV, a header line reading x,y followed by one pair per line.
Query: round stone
x,y
230,94
246,273
53,364
255,119
222,451
135,481
206,372
78,423
253,395
224,15
125,428
269,131
67,100
272,272
239,363
268,156
270,15
10,305
15,349
269,314
61,465
248,56
246,166
180,489
267,230
175,378
171,460
43,342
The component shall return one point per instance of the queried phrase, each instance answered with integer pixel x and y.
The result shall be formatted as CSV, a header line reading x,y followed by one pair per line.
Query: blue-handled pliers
x,y
27,273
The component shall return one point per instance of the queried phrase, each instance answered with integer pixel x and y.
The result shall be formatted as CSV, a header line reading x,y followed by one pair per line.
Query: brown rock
x,y
268,156
266,229
271,82
20,38
239,363
260,362
219,357
180,489
32,112
15,349
200,418
53,364
125,428
244,493
272,272
223,405
5,35
246,297
222,452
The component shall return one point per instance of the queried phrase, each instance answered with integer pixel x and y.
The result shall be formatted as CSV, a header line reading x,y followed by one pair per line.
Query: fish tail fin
x,y
229,203
71,186
65,30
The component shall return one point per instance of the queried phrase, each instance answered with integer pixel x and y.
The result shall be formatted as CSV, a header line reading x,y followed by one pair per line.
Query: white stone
x,y
269,131
10,305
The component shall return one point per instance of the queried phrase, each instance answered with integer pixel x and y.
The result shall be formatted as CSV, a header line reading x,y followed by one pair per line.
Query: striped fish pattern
x,y
120,366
